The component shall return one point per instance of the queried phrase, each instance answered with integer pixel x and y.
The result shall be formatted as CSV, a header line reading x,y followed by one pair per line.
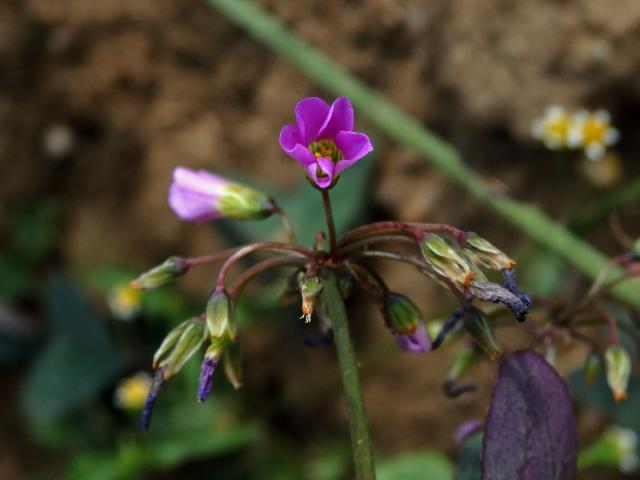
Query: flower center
x,y
326,149
594,131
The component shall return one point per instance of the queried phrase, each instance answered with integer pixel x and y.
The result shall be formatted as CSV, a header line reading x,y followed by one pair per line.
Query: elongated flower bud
x,y
169,341
310,288
618,364
170,269
197,195
484,254
592,367
477,326
149,403
446,260
209,364
220,317
404,320
233,364
190,341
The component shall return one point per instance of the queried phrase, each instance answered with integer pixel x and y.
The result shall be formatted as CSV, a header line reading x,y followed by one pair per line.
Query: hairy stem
x,y
360,442
326,201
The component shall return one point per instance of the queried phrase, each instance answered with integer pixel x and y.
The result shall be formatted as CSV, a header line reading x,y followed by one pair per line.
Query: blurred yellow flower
x,y
593,132
132,392
124,301
553,127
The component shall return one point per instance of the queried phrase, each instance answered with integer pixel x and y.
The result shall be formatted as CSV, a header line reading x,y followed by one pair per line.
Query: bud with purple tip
x,y
209,364
404,320
197,196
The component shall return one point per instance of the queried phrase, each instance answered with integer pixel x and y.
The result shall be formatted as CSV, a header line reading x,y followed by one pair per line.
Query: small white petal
x,y
594,151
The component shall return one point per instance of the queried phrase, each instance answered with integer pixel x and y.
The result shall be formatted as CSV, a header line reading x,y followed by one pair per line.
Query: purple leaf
x,y
530,431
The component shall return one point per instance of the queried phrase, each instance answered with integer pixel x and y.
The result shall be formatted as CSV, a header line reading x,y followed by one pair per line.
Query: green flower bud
x,y
169,341
477,326
618,362
484,254
167,271
635,248
240,202
310,288
446,260
592,367
220,315
233,364
191,339
400,314
465,356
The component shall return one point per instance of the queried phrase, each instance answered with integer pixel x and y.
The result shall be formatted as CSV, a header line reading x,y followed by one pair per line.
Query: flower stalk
x,y
360,441
326,201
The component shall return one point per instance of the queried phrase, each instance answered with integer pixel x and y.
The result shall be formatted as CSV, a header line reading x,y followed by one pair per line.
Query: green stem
x,y
360,442
410,132
326,201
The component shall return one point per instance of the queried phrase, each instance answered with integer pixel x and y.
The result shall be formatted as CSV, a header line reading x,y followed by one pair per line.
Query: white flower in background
x,y
593,132
131,392
626,444
124,302
553,127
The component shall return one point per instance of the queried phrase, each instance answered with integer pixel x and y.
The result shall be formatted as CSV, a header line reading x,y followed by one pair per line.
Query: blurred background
x,y
100,101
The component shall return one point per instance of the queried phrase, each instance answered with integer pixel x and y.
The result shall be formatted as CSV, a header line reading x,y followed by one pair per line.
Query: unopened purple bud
x,y
467,428
415,341
206,377
147,410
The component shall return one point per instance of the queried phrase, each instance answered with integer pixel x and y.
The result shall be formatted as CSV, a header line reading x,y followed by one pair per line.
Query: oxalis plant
x,y
323,141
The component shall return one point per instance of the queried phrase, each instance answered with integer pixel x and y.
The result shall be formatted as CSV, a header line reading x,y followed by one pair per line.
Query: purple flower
x,y
206,377
323,140
197,196
415,341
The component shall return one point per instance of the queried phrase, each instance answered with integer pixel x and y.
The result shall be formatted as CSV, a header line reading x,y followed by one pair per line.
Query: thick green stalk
x,y
360,442
410,132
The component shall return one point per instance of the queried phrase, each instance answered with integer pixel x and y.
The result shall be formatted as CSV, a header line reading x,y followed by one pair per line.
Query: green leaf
x,y
16,278
35,231
416,466
78,361
468,466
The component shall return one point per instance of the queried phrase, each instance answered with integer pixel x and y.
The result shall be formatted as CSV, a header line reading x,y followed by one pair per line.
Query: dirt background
x,y
99,101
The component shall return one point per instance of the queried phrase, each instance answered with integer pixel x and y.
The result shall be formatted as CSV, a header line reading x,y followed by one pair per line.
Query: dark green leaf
x,y
416,466
468,466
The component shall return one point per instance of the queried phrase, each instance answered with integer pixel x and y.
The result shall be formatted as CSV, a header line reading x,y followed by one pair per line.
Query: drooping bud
x,y
618,364
509,277
209,364
169,341
233,364
220,316
477,326
147,409
170,269
404,320
310,288
465,356
191,339
592,367
446,260
485,254
197,195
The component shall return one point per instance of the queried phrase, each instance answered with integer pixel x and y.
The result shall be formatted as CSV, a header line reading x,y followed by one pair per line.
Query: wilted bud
x,y
509,277
483,253
197,195
310,288
147,409
494,293
446,260
477,326
209,364
233,364
167,271
404,320
191,339
618,364
592,367
220,317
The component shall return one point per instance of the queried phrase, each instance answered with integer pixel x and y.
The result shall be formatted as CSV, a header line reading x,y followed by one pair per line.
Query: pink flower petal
x,y
192,206
326,166
289,138
199,181
339,118
311,114
354,146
